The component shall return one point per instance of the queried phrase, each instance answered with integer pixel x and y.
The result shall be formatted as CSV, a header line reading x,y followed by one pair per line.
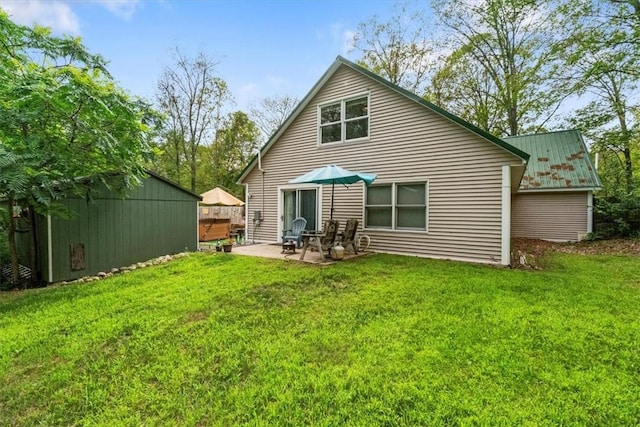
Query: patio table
x,y
311,236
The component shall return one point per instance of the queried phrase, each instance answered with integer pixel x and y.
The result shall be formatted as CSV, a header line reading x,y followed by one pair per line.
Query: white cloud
x,y
249,89
275,81
348,39
337,33
58,14
54,14
122,8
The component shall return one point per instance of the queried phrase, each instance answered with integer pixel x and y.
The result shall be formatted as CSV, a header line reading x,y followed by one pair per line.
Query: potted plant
x,y
226,245
218,246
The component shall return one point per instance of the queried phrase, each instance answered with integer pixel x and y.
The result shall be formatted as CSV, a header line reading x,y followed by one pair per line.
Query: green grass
x,y
381,340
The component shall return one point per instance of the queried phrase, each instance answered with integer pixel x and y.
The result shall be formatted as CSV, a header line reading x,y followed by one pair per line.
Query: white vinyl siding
x,y
557,217
406,141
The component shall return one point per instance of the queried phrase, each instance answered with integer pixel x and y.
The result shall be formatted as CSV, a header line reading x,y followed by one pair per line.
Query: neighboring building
x,y
158,218
443,190
555,198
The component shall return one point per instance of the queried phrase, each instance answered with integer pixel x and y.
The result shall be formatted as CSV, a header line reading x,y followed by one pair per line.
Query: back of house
x,y
443,187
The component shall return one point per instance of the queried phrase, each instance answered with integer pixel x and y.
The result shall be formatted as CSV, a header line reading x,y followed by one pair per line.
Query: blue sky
x,y
266,47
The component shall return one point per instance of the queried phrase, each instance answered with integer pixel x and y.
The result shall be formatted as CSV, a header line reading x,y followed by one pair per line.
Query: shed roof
x,y
559,161
172,184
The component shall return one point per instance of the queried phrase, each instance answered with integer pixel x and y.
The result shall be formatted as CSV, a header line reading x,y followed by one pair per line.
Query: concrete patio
x,y
274,250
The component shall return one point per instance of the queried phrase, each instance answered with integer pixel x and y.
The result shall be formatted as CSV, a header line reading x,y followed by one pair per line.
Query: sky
x,y
265,47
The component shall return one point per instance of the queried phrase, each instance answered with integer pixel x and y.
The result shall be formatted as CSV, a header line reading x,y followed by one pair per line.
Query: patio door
x,y
300,202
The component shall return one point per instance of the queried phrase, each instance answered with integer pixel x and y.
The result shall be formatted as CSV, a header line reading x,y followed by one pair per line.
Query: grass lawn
x,y
381,340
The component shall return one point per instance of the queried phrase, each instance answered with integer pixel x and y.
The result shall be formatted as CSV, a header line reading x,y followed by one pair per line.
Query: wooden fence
x,y
235,214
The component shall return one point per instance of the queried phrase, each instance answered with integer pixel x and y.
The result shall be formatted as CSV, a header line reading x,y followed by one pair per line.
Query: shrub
x,y
617,216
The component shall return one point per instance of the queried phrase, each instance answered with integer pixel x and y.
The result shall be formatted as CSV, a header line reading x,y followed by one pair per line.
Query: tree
x,y
271,112
609,24
517,45
397,49
603,53
65,127
468,90
192,97
234,144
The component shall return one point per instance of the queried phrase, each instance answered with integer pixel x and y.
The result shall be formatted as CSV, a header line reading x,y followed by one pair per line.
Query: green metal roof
x,y
559,160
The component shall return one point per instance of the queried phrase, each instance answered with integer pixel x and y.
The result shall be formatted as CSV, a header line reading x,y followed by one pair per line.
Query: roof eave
x,y
171,183
294,114
484,134
412,96
557,190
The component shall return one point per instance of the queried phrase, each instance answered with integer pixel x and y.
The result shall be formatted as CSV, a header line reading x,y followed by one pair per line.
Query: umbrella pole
x,y
333,186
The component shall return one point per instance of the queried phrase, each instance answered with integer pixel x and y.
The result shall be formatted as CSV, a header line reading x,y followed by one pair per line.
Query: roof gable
x,y
559,161
339,62
172,184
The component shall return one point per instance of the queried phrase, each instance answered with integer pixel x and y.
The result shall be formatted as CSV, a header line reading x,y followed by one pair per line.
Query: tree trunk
x,y
33,247
628,169
13,251
193,175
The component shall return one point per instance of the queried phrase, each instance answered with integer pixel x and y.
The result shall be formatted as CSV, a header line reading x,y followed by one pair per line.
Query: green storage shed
x,y
158,218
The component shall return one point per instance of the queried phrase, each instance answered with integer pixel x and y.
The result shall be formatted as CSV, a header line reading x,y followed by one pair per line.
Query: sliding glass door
x,y
300,203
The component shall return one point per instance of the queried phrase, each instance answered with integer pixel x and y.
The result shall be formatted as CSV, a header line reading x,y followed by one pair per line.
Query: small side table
x,y
289,247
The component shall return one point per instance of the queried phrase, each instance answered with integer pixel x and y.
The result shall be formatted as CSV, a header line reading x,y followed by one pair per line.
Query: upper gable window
x,y
345,120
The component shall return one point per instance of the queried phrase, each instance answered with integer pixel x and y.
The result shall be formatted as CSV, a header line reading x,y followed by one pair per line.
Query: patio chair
x,y
349,235
323,241
295,233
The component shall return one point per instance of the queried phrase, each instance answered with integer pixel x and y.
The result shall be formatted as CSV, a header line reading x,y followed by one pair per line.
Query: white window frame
x,y
282,188
343,121
394,206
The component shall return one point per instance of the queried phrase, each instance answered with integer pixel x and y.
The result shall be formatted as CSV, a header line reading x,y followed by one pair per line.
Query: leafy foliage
x,y
398,49
271,112
605,53
193,98
65,127
510,54
617,216
235,142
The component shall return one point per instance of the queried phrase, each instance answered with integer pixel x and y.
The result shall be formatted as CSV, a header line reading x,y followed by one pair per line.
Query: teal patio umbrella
x,y
332,174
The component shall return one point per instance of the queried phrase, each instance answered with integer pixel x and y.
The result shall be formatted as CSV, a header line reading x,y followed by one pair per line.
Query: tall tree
x,y
271,112
397,49
234,144
468,90
65,126
516,44
605,54
193,98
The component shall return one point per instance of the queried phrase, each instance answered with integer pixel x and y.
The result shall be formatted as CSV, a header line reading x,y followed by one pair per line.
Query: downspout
x,y
198,226
247,206
505,256
257,221
589,212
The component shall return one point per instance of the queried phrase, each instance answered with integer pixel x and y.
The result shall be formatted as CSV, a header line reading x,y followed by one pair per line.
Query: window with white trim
x,y
344,120
396,206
